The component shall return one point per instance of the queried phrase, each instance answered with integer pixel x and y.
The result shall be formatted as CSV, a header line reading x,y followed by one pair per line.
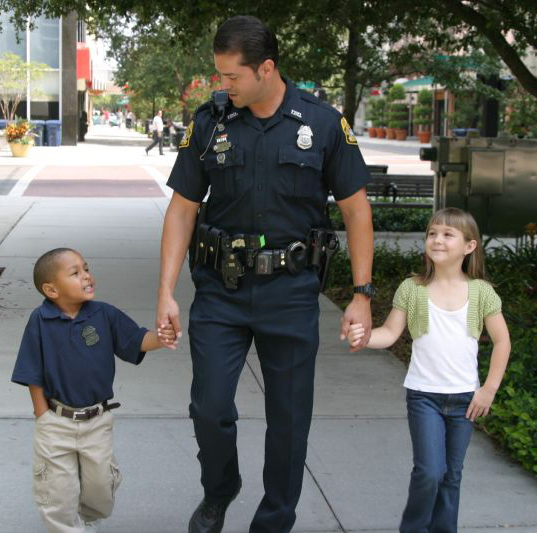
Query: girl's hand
x,y
480,404
355,333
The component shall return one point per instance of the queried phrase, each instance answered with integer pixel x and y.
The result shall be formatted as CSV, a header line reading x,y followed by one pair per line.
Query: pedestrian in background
x,y
157,128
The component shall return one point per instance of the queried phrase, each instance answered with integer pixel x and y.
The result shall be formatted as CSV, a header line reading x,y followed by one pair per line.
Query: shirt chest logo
x,y
90,336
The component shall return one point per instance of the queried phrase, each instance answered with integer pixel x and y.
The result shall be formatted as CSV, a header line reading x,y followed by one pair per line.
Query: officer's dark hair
x,y
248,36
46,266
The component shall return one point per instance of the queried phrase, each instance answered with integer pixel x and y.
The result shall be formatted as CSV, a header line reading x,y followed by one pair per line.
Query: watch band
x,y
368,289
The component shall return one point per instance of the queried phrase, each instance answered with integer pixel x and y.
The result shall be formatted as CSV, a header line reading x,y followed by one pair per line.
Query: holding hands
x,y
355,334
167,338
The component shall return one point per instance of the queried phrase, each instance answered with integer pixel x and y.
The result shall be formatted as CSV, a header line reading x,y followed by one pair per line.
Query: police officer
x,y
270,160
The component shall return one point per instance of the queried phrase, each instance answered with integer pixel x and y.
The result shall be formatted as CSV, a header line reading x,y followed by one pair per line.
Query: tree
x,y
157,65
346,38
15,73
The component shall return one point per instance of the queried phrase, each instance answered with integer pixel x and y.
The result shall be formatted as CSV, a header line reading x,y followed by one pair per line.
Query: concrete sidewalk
x,y
359,456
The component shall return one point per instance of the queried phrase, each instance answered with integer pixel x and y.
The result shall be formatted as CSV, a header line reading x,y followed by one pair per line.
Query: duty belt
x,y
233,255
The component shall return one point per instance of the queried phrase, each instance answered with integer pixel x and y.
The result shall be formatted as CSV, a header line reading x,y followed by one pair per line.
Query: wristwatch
x,y
366,289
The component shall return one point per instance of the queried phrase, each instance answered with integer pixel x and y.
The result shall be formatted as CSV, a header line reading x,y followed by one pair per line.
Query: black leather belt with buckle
x,y
81,414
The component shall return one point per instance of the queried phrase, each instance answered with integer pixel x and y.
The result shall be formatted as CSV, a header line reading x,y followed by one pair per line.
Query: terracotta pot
x,y
19,149
424,137
381,133
372,132
400,134
390,133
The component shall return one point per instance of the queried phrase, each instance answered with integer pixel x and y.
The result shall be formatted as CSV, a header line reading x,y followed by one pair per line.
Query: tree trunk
x,y
351,76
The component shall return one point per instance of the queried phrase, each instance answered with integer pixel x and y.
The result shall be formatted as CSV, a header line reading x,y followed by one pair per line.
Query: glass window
x,y
8,38
45,110
45,42
46,88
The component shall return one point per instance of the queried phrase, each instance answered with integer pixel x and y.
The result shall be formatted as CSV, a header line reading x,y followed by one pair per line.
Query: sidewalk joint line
x,y
14,225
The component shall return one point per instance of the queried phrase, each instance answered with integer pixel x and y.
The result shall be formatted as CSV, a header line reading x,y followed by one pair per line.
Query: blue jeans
x,y
440,435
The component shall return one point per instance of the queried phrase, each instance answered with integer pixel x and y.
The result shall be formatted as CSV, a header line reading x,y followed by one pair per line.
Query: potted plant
x,y
423,115
396,92
20,138
372,117
380,118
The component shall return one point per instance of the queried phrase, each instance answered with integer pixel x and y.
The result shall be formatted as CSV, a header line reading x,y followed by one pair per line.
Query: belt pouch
x,y
214,237
203,244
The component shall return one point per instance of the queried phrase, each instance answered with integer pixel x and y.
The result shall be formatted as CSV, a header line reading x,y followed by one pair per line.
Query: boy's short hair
x,y
45,267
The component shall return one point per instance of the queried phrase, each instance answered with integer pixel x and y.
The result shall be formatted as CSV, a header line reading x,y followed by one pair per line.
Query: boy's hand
x,y
355,334
166,336
480,404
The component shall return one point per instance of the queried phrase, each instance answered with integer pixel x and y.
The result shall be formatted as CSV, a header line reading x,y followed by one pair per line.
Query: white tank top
x,y
444,359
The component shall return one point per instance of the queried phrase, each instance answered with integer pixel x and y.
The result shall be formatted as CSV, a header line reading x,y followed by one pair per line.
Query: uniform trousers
x,y
280,313
75,472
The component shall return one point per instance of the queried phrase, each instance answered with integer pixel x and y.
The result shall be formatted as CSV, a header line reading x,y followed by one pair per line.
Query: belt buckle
x,y
77,413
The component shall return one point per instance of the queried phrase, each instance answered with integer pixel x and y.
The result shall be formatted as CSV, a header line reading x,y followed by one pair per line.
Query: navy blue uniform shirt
x,y
72,362
262,181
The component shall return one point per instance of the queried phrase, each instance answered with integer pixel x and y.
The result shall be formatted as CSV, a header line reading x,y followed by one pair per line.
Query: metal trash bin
x,y
39,132
53,132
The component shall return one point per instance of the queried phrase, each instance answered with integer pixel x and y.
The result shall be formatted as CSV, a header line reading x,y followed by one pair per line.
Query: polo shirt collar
x,y
49,311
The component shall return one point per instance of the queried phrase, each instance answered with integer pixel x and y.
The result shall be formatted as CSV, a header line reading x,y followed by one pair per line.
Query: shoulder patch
x,y
185,141
347,130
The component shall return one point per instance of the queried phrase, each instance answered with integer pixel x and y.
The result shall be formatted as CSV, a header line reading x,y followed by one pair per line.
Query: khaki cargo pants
x,y
75,471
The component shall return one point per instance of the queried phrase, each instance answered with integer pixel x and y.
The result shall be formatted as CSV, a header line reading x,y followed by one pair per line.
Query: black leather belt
x,y
81,414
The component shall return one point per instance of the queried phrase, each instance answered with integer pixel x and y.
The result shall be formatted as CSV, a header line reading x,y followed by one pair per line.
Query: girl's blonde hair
x,y
474,263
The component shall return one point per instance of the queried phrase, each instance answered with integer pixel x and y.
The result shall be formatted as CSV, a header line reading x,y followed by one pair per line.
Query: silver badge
x,y
221,158
90,335
220,127
304,137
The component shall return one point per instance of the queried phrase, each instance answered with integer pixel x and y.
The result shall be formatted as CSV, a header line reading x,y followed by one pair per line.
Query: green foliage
x,y
398,116
396,92
423,112
513,417
521,113
466,114
159,67
390,219
377,111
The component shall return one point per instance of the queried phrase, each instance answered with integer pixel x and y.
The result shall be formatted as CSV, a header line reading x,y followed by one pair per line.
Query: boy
x,y
66,359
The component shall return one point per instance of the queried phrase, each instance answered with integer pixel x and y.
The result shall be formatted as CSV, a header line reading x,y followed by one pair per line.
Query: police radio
x,y
220,103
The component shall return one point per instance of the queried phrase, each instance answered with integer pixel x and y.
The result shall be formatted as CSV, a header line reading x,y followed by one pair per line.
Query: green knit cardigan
x,y
413,299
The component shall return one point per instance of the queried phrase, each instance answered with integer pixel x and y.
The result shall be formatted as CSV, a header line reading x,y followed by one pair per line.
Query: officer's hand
x,y
357,312
166,336
168,314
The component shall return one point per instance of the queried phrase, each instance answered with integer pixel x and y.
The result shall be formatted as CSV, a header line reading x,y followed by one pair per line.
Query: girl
x,y
444,309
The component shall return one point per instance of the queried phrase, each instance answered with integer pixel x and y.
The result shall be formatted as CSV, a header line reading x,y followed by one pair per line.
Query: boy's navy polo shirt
x,y
71,367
